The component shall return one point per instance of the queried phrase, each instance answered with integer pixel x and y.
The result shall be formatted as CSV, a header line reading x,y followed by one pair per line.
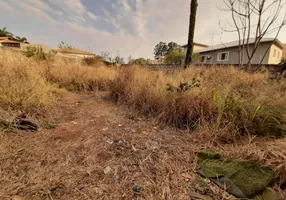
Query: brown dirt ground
x,y
68,161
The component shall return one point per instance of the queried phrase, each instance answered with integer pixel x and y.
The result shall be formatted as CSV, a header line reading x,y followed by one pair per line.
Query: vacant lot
x,y
105,130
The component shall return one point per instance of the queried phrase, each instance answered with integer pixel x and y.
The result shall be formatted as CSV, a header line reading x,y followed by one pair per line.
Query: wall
x,y
70,55
233,55
196,48
275,59
14,45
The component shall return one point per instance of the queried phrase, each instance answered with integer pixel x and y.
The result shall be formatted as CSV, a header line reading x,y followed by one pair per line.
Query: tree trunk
x,y
193,14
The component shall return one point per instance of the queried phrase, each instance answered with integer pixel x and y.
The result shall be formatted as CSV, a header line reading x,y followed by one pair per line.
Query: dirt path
x,y
96,152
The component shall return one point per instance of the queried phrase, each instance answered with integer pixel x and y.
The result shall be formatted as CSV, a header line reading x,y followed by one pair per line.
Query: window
x,y
278,55
274,53
223,56
204,59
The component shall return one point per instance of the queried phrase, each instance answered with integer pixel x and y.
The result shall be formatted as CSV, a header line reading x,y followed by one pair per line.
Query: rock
x,y
107,170
104,129
109,142
137,189
21,123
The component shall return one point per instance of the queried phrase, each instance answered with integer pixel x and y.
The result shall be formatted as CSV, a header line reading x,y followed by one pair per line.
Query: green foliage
x,y
175,57
139,61
119,60
184,86
162,49
63,45
35,52
4,32
248,117
21,39
196,58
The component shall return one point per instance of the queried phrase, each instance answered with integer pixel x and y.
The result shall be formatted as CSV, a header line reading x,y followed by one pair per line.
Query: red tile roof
x,y
7,41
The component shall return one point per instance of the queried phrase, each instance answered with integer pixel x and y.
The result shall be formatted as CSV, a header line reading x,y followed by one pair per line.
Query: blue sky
x,y
125,27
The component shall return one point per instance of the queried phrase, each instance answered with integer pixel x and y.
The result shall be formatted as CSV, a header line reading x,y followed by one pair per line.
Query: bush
x,y
36,52
176,57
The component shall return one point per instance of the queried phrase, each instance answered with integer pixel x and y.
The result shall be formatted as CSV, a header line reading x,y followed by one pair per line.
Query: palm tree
x,y
19,39
193,14
4,32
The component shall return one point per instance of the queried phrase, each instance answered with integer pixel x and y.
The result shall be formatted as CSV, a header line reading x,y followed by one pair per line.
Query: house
x,y
197,47
8,42
284,51
74,53
227,53
158,61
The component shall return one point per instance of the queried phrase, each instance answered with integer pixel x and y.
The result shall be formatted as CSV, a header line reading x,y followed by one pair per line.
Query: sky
x,y
121,27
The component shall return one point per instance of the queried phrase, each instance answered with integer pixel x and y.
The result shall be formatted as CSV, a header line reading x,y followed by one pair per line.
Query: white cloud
x,y
91,15
6,7
125,5
36,11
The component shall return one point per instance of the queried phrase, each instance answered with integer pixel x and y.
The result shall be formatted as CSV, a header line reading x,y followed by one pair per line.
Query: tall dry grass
x,y
22,87
32,86
227,99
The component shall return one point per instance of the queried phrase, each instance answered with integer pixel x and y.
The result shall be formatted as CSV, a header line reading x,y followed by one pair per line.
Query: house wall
x,y
275,55
197,47
70,55
233,55
15,45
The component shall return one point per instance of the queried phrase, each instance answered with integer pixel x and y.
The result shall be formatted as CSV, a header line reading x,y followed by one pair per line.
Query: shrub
x,y
35,52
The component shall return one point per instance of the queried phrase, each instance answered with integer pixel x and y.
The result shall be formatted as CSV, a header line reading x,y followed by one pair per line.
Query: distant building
x,y
227,53
8,42
158,61
197,47
284,51
74,53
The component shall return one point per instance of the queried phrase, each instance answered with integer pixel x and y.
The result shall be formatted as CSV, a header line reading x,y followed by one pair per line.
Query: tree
x,y
254,18
63,45
21,39
175,57
119,60
139,61
4,32
193,15
161,49
173,46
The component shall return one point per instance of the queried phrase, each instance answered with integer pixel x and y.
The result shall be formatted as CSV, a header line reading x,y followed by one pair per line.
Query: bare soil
x,y
99,150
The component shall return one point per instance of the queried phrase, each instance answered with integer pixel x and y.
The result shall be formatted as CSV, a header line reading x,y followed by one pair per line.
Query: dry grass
x,y
227,98
33,86
22,87
68,162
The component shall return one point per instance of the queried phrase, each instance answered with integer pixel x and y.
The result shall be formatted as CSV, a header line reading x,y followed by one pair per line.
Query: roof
x,y
9,42
74,51
236,44
198,44
4,38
